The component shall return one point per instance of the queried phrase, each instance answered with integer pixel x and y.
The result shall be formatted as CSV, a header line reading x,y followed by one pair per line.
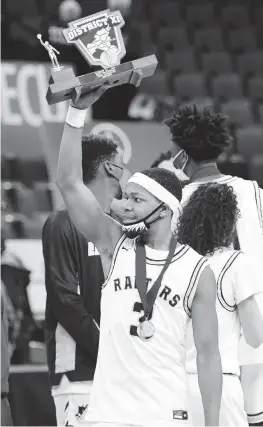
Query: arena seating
x,y
26,196
216,44
209,40
239,112
211,53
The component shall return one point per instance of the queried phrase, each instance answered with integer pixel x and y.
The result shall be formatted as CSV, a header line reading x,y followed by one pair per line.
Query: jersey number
x,y
138,308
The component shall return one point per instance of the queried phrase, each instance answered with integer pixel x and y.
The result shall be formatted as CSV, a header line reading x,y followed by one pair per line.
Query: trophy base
x,y
65,85
60,75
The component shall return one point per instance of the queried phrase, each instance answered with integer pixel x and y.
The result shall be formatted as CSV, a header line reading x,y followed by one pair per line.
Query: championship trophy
x,y
98,38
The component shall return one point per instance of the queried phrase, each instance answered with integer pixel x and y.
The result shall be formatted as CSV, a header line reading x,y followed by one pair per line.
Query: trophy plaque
x,y
98,38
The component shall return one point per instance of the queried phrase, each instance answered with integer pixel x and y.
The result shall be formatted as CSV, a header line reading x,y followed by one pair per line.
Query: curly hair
x,y
95,150
202,134
208,219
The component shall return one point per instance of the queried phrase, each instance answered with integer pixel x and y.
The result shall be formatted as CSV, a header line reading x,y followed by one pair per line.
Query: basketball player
x,y
199,137
74,277
140,377
208,225
160,162
165,161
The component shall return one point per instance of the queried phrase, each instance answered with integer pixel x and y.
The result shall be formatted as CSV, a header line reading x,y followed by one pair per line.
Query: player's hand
x,y
86,100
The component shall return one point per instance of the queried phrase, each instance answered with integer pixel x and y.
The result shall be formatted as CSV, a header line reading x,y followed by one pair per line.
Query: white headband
x,y
157,190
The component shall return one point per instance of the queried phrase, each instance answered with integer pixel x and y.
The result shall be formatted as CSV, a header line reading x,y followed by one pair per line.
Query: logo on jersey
x,y
98,37
109,130
180,415
92,250
128,282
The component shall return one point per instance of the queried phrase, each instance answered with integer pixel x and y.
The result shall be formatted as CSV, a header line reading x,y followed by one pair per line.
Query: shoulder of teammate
x,y
195,256
204,301
60,234
203,273
198,266
57,222
206,277
247,276
187,192
60,226
248,294
244,186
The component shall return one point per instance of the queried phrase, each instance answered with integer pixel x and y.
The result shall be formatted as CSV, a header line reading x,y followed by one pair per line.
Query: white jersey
x,y
237,279
139,382
250,203
250,236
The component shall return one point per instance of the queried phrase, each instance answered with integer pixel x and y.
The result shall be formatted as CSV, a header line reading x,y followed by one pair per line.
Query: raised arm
x,y
81,203
205,330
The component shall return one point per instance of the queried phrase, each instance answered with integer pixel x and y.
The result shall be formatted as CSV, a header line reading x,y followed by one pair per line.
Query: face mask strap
x,y
146,217
156,219
185,163
112,175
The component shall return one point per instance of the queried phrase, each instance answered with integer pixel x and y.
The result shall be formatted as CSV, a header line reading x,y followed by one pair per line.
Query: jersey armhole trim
x,y
220,295
193,283
113,261
258,203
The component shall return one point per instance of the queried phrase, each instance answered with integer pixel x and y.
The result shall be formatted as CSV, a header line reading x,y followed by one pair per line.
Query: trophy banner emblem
x,y
98,37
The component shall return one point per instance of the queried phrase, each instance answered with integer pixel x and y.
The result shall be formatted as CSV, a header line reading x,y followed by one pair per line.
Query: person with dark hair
x,y
140,377
97,149
198,139
208,225
74,276
158,163
165,161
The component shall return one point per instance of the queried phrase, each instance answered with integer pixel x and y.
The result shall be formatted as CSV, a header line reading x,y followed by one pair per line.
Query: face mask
x,y
138,228
168,164
119,167
180,161
118,194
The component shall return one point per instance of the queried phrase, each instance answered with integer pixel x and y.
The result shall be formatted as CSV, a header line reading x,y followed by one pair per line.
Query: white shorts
x,y
70,408
232,412
252,383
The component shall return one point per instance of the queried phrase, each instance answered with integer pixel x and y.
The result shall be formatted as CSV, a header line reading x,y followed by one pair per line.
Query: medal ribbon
x,y
148,298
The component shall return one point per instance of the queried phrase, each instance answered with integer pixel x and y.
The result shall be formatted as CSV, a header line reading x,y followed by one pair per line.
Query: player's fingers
x,y
103,88
100,89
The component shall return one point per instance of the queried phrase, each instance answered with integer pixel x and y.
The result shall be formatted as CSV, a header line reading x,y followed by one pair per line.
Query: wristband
x,y
76,117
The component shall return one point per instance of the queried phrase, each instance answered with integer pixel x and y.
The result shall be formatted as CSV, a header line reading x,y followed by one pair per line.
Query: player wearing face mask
x,y
166,161
198,139
152,286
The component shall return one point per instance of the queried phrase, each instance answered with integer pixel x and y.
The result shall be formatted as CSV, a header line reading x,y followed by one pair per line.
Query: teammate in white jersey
x,y
198,139
140,378
208,225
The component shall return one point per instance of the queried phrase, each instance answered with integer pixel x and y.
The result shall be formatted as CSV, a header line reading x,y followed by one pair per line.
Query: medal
x,y
145,330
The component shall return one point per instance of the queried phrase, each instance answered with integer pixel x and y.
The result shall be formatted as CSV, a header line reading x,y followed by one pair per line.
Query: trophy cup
x,y
98,38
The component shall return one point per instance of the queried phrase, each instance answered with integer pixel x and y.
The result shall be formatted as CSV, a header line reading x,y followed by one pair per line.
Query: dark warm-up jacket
x,y
73,278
